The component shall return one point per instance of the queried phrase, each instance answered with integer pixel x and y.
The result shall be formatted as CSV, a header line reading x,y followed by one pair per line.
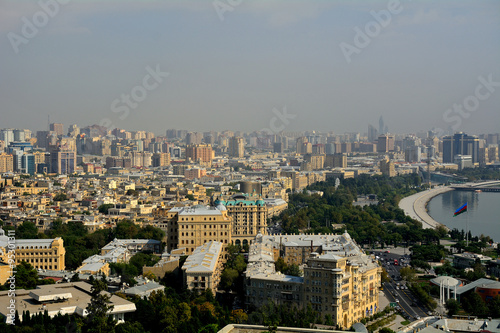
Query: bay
x,y
483,211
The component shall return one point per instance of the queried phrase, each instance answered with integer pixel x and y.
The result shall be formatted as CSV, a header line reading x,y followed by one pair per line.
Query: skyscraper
x,y
385,143
62,161
202,154
58,128
381,127
236,147
460,144
372,133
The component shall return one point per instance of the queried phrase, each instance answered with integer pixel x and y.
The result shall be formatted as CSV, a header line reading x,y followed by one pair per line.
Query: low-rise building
x,y
63,298
468,260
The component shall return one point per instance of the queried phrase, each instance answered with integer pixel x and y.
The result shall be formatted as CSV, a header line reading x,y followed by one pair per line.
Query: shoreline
x,y
415,206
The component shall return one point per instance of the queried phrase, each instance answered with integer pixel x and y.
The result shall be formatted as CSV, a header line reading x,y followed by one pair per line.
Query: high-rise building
x,y
336,161
303,146
58,128
194,138
372,133
161,159
318,148
62,161
22,134
413,154
41,139
387,168
317,161
6,163
460,144
202,154
381,126
73,130
385,143
7,136
236,147
278,147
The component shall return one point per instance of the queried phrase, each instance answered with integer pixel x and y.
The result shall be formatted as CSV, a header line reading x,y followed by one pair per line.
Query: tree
x,y
474,304
27,230
103,209
228,277
26,276
453,306
494,306
60,197
98,320
294,270
408,274
386,330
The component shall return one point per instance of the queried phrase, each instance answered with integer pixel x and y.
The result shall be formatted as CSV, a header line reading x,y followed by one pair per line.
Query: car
x,y
397,300
387,251
417,317
397,288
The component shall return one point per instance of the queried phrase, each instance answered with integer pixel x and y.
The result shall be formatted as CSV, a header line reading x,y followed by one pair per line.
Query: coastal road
x,y
415,206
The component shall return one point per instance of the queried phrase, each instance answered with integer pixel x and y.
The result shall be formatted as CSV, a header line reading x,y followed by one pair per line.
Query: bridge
x,y
483,187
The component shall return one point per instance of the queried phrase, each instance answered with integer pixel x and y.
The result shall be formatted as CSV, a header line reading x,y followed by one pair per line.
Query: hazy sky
x,y
227,64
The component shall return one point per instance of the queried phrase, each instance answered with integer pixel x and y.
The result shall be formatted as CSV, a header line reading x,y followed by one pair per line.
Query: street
x,y
396,290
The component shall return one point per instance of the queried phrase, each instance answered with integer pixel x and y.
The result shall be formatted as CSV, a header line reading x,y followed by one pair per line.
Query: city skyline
x,y
205,66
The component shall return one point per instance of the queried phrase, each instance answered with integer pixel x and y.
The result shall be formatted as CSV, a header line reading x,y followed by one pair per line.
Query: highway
x,y
396,290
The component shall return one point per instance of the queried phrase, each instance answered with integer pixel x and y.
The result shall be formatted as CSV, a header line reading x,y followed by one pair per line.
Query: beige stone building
x,y
338,280
40,253
191,227
249,218
203,268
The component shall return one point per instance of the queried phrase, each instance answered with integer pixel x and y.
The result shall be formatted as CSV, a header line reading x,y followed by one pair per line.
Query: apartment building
x,y
249,218
203,268
339,280
191,227
201,154
6,163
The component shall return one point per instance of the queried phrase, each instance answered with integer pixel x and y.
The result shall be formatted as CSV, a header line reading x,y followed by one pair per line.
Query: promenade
x,y
415,206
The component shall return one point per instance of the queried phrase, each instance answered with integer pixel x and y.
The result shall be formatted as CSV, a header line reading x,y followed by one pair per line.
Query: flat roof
x,y
43,298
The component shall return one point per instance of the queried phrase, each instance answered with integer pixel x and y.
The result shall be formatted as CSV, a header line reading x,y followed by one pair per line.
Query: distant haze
x,y
230,66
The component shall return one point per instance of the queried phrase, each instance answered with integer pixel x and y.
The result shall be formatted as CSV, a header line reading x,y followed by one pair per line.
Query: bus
x,y
396,262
